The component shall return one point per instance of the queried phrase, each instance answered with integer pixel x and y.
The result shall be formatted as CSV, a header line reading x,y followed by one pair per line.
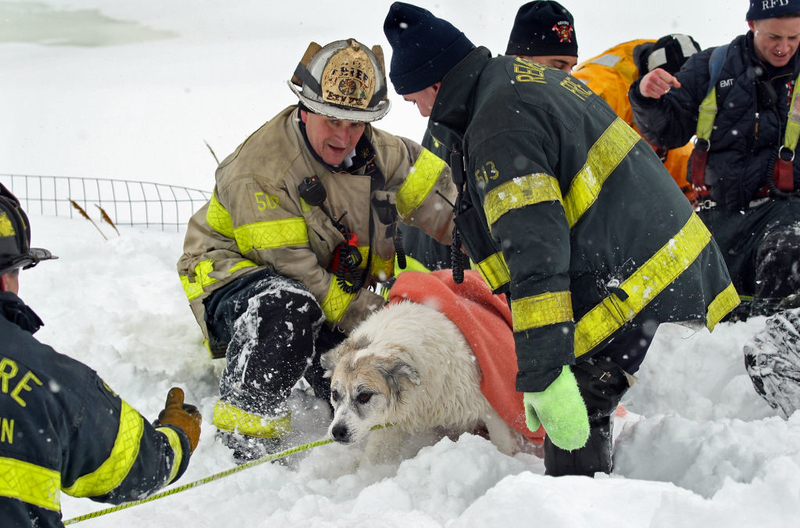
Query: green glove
x,y
561,410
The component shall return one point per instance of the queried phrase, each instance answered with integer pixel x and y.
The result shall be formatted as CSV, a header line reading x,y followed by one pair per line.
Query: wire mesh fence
x,y
127,203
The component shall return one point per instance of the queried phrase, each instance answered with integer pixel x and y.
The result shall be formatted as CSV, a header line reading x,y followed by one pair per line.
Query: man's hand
x,y
657,83
561,410
186,417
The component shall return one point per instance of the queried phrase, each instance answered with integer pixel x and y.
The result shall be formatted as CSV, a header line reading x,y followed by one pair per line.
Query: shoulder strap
x,y
715,65
708,107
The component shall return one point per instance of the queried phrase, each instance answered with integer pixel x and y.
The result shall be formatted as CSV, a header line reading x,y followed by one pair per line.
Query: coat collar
x,y
17,312
453,107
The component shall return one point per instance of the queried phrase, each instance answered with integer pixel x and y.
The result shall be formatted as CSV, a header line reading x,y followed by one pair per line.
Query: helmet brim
x,y
28,260
340,112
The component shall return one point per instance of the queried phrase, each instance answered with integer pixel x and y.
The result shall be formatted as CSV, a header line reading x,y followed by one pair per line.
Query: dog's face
x,y
367,385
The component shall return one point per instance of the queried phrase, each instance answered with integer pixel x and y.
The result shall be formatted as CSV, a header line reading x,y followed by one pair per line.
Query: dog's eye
x,y
335,396
364,397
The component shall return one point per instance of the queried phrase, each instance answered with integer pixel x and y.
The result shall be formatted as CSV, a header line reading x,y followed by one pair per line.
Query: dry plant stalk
x,y
212,151
86,216
107,218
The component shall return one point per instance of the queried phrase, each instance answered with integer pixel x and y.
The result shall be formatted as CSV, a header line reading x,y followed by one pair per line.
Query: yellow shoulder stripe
x,y
419,183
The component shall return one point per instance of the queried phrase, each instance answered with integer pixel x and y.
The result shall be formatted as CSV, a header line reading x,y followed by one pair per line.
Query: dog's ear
x,y
401,369
330,359
398,365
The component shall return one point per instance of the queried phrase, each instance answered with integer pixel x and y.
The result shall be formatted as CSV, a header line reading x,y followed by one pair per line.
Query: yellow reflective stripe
x,y
381,268
193,290
518,193
230,418
541,310
364,252
793,123
271,234
603,158
6,227
241,265
195,286
336,302
707,114
218,218
116,467
30,483
644,285
419,183
494,271
175,443
726,301
412,264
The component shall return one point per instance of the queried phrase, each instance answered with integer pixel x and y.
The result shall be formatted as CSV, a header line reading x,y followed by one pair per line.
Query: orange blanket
x,y
485,321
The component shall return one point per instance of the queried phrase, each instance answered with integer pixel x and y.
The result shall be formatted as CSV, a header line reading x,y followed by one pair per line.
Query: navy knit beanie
x,y
761,9
542,28
424,48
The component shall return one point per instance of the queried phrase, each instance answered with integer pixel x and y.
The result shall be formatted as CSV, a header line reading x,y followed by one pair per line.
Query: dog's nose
x,y
340,433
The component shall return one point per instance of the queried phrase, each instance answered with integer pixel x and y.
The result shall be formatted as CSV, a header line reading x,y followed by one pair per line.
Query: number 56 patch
x,y
265,201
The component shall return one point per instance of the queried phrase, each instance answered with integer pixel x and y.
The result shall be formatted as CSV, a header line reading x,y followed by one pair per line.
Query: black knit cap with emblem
x,y
543,28
15,236
760,9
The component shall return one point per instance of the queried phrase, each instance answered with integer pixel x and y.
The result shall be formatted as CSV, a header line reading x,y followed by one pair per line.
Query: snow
x,y
130,90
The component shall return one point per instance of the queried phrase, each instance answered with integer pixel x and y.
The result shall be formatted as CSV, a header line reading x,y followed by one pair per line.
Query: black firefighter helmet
x,y
15,236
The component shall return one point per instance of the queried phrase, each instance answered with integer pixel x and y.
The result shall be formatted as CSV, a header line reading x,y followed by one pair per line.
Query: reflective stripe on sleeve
x,y
518,193
419,183
603,158
541,310
271,234
116,467
336,302
218,218
268,234
194,286
175,443
30,483
494,271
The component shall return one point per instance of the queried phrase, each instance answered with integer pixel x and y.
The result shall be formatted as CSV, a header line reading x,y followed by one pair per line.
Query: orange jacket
x,y
610,75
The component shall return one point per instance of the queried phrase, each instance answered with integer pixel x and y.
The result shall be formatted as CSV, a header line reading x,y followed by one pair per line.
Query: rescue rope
x,y
196,483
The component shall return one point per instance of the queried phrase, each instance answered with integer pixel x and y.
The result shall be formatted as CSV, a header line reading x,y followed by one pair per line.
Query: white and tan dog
x,y
408,365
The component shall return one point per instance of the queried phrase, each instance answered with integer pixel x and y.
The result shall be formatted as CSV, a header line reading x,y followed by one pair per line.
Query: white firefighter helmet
x,y
343,80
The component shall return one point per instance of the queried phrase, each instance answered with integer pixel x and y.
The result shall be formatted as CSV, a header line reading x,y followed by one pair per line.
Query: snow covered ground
x,y
131,90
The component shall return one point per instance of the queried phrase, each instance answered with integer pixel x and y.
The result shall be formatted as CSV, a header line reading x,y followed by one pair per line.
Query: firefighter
x,y
543,32
61,427
611,74
284,260
563,207
740,101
